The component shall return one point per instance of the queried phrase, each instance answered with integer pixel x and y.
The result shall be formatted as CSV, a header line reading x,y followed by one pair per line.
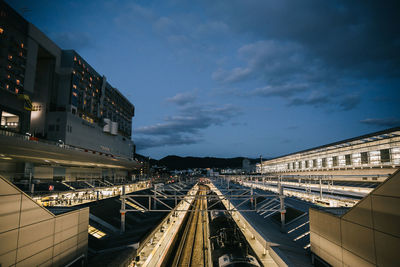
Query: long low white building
x,y
372,154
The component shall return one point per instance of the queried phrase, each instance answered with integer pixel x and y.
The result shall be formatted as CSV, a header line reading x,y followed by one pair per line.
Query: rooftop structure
x,y
55,96
375,153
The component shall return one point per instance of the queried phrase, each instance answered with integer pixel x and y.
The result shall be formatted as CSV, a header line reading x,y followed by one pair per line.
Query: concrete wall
x,y
31,235
88,135
367,235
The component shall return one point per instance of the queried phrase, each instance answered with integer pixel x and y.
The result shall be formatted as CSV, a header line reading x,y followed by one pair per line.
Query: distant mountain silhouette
x,y
180,163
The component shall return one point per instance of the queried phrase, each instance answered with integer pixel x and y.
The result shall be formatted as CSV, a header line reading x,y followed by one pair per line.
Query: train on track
x,y
229,247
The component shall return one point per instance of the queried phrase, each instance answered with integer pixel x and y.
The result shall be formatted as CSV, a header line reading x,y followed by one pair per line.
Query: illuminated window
x,y
93,93
90,78
7,86
16,90
18,82
83,65
84,102
79,62
20,54
74,86
96,232
73,71
8,76
9,66
1,31
75,94
22,45
9,57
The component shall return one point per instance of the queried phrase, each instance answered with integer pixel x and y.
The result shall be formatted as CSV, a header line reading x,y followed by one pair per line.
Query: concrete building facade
x,y
375,153
53,95
69,100
366,235
30,235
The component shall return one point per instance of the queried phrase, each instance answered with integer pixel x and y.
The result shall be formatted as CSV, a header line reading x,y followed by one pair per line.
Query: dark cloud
x,y
280,91
383,122
327,47
183,98
185,127
362,37
271,61
143,143
191,120
322,100
349,102
73,40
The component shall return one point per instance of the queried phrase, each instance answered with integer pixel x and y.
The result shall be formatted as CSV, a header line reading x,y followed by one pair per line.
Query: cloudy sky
x,y
238,77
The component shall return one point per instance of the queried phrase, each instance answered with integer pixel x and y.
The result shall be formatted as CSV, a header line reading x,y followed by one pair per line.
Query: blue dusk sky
x,y
238,77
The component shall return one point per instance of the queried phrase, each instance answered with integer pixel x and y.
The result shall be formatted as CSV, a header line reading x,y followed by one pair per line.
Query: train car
x,y
229,260
228,245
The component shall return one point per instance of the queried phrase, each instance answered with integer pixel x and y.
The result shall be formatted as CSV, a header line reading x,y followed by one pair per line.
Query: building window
x,y
314,163
348,159
293,165
385,155
364,158
10,57
324,162
300,165
22,45
57,128
307,164
18,81
335,161
288,166
51,127
1,30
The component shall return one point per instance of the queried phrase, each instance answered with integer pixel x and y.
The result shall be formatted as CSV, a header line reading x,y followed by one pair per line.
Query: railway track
x,y
193,246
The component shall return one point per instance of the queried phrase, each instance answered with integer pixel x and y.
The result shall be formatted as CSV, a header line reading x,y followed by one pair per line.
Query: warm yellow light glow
x,y
96,232
133,205
1,31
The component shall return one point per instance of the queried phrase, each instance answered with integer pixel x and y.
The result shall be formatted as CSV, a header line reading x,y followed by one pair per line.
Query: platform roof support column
x,y
123,210
282,204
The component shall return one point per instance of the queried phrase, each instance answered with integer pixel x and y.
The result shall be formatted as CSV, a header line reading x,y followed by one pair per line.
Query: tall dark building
x,y
55,94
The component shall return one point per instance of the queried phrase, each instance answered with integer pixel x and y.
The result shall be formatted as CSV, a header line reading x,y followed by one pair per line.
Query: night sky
x,y
238,78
